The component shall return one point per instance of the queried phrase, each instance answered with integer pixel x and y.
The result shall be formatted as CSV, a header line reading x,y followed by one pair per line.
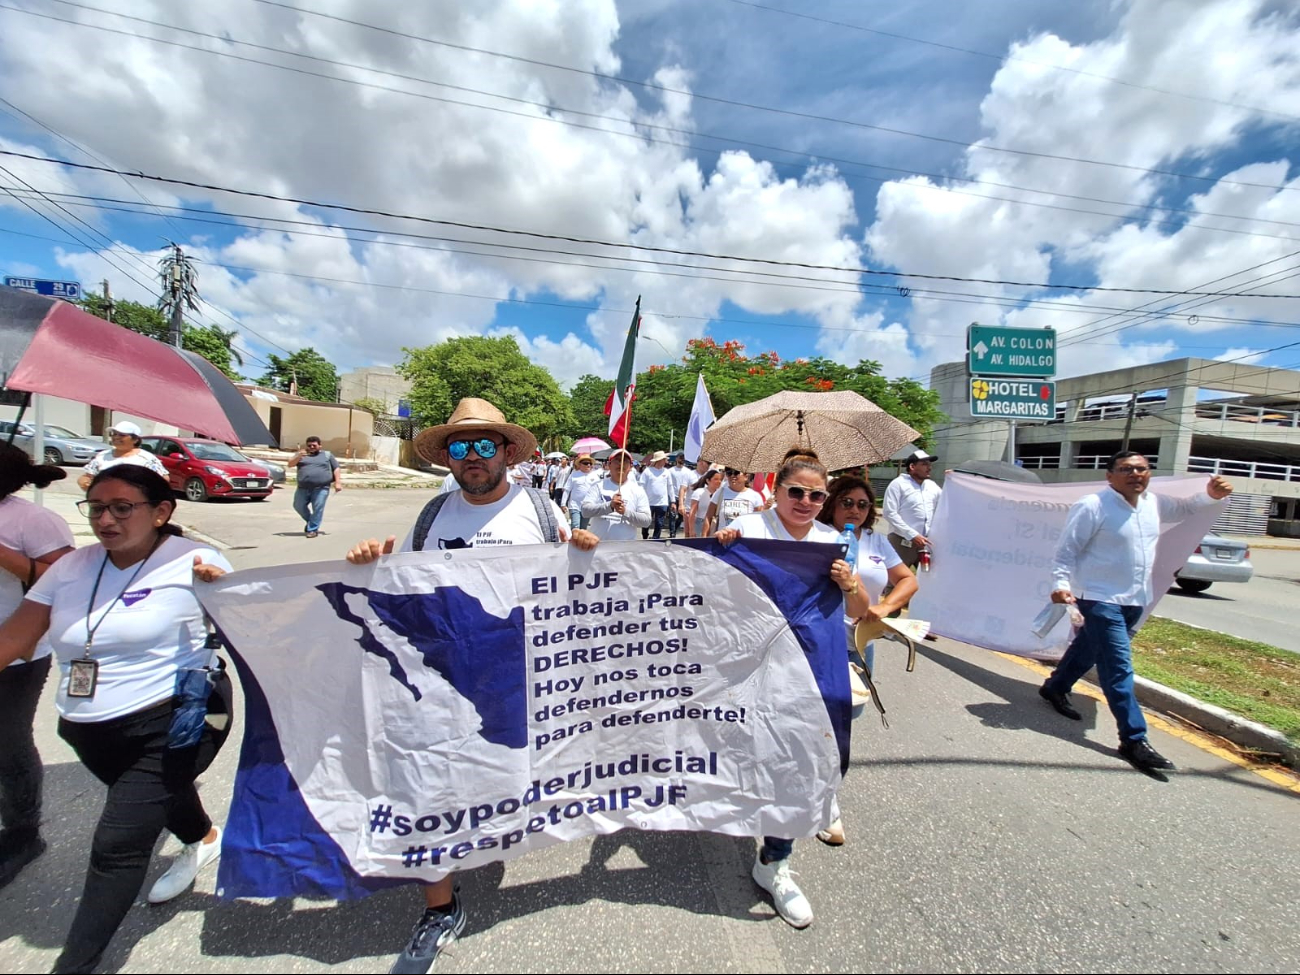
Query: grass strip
x,y
1255,680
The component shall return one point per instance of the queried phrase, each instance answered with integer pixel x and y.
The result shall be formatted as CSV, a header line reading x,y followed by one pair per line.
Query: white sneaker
x,y
193,858
777,880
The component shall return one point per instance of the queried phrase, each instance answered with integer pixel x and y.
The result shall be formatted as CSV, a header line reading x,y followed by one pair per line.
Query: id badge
x,y
82,677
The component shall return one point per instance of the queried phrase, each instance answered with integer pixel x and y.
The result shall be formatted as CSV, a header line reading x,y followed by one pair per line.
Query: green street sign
x,y
993,350
1012,399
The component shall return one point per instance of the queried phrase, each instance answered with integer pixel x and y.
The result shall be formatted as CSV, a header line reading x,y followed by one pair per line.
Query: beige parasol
x,y
844,428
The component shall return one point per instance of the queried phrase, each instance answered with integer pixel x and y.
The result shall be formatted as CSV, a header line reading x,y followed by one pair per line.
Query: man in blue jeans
x,y
1103,565
317,472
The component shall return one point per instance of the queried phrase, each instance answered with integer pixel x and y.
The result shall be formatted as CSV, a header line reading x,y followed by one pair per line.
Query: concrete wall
x,y
343,431
386,450
76,416
374,382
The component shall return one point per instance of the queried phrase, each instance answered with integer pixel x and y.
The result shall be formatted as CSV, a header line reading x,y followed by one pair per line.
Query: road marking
x,y
1205,743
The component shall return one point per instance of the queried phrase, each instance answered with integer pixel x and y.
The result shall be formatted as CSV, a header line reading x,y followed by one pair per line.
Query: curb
x,y
1225,724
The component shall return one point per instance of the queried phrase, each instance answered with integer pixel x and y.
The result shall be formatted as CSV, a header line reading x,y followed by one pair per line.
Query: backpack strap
x,y
545,513
427,516
541,504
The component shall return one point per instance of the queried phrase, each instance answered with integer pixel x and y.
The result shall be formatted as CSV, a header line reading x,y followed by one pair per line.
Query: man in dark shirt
x,y
317,472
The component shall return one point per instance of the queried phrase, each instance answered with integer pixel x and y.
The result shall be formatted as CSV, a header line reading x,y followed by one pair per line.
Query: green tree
x,y
208,341
489,368
315,375
371,404
665,394
587,404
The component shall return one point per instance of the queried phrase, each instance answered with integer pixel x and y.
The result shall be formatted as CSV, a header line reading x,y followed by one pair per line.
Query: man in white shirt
x,y
478,445
658,489
681,479
909,506
617,506
1103,565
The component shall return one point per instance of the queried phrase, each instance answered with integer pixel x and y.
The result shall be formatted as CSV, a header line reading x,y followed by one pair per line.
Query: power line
x,y
548,107
730,102
784,281
1002,58
368,211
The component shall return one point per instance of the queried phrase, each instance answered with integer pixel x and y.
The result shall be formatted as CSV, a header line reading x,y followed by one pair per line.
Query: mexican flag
x,y
619,405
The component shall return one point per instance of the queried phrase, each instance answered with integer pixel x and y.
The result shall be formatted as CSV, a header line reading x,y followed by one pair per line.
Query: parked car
x,y
1216,559
277,472
62,446
204,469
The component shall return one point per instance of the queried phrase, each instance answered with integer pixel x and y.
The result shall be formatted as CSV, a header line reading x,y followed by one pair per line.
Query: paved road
x,y
1263,609
985,834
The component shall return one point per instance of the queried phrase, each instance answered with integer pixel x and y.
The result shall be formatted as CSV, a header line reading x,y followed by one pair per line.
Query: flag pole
x,y
627,425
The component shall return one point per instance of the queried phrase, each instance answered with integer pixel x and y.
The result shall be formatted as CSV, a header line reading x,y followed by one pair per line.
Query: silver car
x,y
62,446
1217,559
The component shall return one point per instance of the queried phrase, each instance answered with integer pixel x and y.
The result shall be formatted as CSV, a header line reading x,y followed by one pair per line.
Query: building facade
x,y
1186,415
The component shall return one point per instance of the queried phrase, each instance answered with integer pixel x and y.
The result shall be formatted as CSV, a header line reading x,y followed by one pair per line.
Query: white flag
x,y
701,418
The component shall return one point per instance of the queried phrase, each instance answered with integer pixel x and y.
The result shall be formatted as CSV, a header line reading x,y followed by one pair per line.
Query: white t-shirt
x,y
605,522
733,504
875,558
657,485
766,524
521,474
576,489
146,636
700,499
34,531
141,458
509,521
681,477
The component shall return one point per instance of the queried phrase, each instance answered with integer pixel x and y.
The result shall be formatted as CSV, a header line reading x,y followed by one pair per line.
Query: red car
x,y
204,469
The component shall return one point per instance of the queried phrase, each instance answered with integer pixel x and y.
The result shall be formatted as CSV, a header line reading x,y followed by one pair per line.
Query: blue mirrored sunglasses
x,y
485,448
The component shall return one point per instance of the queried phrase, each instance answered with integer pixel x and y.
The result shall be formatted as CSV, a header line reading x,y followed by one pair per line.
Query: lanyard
x,y
92,630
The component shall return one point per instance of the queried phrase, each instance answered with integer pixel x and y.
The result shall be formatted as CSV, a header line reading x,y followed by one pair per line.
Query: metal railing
x,y
1244,468
1248,414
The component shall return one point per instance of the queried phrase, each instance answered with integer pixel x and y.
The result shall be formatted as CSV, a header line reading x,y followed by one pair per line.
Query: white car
x,y
1216,559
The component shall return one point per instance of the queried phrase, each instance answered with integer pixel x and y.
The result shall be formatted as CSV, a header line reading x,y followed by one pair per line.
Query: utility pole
x,y
108,300
180,290
1128,424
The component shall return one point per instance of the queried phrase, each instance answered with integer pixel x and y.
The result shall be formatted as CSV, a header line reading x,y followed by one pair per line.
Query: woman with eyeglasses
x,y
138,700
731,501
852,502
32,539
800,494
700,493
125,438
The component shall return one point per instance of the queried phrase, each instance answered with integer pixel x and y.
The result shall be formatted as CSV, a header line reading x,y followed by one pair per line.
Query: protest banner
x,y
993,544
438,711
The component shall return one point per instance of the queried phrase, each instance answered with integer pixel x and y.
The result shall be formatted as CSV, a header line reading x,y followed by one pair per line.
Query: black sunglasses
x,y
731,472
849,504
798,494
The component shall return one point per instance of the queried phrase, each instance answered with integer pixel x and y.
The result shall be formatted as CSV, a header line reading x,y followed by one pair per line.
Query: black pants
x,y
21,772
150,788
658,519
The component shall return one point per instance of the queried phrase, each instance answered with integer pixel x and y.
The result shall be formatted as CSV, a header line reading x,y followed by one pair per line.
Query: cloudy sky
x,y
645,147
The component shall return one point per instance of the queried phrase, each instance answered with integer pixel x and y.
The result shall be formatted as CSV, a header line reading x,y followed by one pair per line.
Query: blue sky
x,y
1207,89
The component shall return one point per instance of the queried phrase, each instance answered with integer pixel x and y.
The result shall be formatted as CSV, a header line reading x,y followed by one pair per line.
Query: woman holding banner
x,y
852,502
800,494
135,697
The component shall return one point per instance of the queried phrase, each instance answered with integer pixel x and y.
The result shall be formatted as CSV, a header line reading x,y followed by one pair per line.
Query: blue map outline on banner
x,y
481,655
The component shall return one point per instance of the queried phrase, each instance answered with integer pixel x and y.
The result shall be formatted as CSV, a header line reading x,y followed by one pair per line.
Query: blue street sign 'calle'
x,y
68,290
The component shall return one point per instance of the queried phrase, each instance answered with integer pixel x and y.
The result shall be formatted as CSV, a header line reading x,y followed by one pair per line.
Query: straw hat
x,y
473,414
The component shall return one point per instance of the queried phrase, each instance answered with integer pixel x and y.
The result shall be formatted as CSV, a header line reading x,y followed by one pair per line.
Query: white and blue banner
x,y
438,711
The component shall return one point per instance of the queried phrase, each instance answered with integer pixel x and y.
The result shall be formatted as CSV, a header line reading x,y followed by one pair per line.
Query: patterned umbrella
x,y
844,428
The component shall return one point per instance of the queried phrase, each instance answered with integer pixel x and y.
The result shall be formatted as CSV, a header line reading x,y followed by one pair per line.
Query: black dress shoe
x,y
1059,701
1144,757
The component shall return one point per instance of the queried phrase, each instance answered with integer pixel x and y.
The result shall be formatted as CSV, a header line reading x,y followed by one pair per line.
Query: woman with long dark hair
x,y
699,494
852,502
32,539
140,701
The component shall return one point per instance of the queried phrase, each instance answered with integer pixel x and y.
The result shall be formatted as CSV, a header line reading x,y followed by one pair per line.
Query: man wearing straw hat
x,y
478,445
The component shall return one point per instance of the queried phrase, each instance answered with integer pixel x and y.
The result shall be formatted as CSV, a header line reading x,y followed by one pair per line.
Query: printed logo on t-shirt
x,y
453,543
735,507
876,559
483,539
131,598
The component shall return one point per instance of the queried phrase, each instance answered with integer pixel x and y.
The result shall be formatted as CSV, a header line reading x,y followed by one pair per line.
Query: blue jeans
x,y
1104,641
775,848
309,502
